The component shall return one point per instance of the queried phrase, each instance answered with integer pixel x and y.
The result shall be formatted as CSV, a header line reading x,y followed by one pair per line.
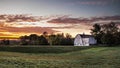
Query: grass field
x,y
60,57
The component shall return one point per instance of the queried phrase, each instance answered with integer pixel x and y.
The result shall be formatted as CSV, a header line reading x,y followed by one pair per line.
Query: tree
x,y
45,33
108,39
107,33
97,33
56,39
96,29
117,38
110,28
67,40
24,40
43,40
52,39
34,40
5,42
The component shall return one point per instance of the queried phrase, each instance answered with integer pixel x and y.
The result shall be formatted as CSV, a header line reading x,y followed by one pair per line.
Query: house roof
x,y
85,36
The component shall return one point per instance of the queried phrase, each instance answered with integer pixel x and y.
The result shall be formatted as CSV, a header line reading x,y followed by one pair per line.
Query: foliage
x,y
44,39
60,39
96,31
24,40
33,39
106,33
5,42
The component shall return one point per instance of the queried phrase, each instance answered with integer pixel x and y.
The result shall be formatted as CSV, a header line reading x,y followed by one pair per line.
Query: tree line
x,y
45,39
108,34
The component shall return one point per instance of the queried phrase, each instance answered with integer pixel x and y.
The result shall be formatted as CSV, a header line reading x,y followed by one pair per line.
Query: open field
x,y
60,57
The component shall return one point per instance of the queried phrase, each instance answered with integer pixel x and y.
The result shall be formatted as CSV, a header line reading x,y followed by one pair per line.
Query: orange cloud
x,y
27,30
18,25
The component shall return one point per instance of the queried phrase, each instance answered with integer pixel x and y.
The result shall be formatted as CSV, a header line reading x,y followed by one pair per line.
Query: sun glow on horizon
x,y
25,17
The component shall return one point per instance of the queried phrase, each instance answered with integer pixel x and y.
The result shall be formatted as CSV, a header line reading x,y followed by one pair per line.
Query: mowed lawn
x,y
60,57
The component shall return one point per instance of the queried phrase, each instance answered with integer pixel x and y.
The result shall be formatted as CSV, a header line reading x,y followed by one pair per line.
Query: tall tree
x,y
106,33
96,32
110,30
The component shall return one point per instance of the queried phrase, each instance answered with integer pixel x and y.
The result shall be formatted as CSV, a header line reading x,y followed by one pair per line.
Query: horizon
x,y
25,17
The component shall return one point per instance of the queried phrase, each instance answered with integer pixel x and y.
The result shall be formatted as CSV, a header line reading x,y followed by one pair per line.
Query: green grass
x,y
67,57
41,49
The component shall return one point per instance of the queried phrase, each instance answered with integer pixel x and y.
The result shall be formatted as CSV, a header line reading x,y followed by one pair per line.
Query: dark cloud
x,y
70,20
19,18
95,2
107,18
86,21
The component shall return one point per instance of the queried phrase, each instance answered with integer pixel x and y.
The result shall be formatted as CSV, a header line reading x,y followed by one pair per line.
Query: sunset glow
x,y
25,17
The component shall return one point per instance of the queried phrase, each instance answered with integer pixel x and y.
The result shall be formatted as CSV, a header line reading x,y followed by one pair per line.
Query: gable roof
x,y
85,36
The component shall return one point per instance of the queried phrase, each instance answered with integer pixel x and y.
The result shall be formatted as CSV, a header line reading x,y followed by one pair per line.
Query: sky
x,y
25,17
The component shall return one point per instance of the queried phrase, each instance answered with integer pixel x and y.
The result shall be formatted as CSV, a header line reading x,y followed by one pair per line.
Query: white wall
x,y
81,41
92,40
78,41
85,41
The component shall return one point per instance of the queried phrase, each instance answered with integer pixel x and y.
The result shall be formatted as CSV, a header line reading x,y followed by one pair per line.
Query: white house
x,y
84,40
